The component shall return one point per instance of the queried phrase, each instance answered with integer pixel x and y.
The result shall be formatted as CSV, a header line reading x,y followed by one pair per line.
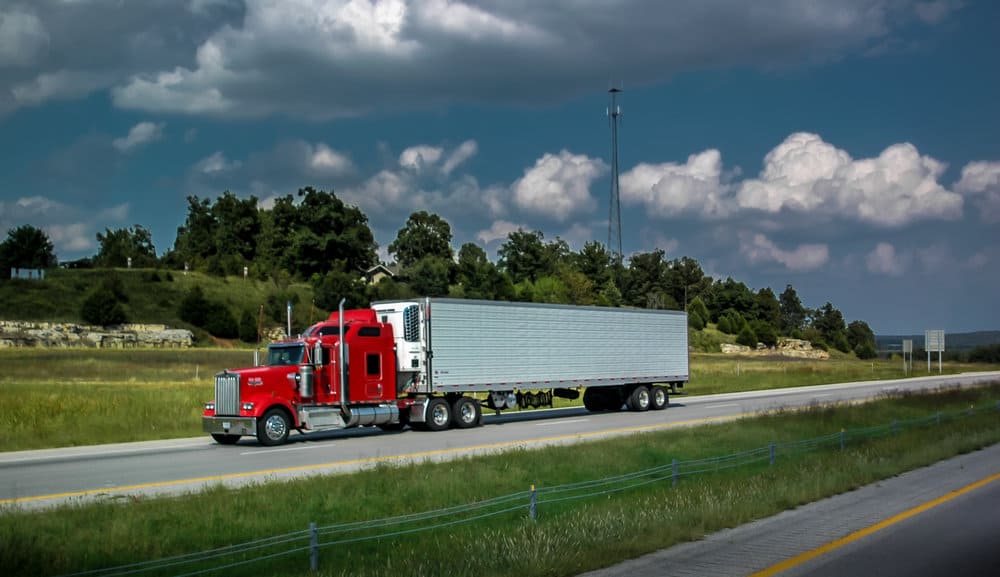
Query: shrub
x,y
865,351
221,322
696,322
102,308
194,307
747,337
248,327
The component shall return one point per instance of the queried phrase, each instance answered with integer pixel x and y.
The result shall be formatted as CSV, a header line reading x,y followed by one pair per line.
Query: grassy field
x,y
72,397
567,538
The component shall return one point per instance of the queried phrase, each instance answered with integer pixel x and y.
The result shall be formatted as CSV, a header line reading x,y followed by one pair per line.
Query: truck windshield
x,y
285,355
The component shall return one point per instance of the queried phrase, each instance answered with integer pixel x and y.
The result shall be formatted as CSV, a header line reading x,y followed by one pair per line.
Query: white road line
x,y
55,455
284,449
561,422
722,406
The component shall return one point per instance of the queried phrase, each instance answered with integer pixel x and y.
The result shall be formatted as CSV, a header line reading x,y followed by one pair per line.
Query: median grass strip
x,y
66,397
567,538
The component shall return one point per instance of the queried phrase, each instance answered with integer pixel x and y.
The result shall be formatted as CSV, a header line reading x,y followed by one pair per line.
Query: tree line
x,y
315,237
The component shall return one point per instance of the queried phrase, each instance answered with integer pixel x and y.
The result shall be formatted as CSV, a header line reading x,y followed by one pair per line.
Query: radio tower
x,y
615,205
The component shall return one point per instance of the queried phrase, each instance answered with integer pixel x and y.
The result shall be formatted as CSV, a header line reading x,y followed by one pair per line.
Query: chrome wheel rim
x,y
275,427
440,415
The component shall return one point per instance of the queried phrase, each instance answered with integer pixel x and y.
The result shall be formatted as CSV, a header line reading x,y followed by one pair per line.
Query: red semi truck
x,y
432,363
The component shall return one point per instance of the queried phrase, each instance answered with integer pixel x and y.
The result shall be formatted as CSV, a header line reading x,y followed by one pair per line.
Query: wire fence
x,y
316,538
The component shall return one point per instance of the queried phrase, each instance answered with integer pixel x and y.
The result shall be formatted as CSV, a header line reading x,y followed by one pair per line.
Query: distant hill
x,y
952,341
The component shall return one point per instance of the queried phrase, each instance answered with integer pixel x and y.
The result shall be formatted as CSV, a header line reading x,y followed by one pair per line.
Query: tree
x,y
729,294
793,314
861,340
767,308
195,241
478,277
26,247
747,337
117,246
594,262
697,308
523,256
194,308
423,235
103,306
830,323
328,231
340,284
645,281
237,231
430,276
686,280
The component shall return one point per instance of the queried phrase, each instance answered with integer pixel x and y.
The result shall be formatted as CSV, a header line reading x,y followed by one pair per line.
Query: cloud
x,y
981,181
216,163
757,248
670,189
71,228
464,152
327,162
499,230
140,135
23,38
558,186
883,260
231,58
420,157
935,11
806,175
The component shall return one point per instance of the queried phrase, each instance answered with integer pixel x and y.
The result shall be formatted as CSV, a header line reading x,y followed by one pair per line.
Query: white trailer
x,y
511,350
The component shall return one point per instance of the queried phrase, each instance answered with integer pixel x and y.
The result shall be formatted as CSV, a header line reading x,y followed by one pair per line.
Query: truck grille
x,y
227,394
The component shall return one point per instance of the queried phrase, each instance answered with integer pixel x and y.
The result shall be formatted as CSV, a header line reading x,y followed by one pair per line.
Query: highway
x,y
38,479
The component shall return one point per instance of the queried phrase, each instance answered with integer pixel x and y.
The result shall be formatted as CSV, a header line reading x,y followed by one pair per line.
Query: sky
x,y
849,148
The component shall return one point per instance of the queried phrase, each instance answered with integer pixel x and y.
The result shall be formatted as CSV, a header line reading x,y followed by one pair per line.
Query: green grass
x,y
567,538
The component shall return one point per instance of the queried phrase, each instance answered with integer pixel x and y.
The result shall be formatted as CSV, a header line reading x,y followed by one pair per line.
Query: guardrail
x,y
527,502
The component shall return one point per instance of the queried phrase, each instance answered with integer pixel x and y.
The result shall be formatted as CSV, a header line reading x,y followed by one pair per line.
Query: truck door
x,y
368,370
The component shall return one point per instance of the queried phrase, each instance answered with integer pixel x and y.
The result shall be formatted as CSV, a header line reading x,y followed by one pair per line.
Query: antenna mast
x,y
615,206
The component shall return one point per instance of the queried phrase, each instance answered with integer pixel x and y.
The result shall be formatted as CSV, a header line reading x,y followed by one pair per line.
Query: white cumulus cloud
x,y
499,230
757,248
669,189
22,37
981,181
328,162
464,152
558,186
140,134
806,175
420,157
216,163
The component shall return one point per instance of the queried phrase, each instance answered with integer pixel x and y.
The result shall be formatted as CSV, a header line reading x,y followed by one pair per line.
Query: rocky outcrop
x,y
794,348
60,335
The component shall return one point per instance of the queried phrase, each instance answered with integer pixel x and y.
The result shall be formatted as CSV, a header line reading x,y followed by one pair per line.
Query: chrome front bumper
x,y
246,426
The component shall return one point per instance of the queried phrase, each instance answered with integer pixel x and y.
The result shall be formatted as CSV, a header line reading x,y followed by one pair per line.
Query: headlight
x,y
209,406
247,406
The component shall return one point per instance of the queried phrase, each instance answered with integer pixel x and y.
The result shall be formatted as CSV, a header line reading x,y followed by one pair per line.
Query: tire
x,y
639,399
466,413
224,439
658,398
273,429
438,415
593,400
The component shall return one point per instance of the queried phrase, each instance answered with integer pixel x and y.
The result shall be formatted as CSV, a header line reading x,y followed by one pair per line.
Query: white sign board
x,y
934,341
908,346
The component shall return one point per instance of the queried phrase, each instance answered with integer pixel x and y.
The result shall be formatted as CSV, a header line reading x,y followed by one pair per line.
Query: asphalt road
x,y
35,479
935,521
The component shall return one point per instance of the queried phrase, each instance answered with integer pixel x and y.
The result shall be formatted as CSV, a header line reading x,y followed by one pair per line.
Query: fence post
x,y
772,453
972,410
675,462
532,507
313,548
939,417
843,439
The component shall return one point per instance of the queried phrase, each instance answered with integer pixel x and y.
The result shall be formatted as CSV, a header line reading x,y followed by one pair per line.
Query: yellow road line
x,y
373,460
823,549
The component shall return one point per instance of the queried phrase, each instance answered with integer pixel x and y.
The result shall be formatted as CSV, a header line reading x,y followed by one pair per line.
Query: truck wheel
x,y
466,412
639,399
224,439
659,398
438,414
273,428
593,400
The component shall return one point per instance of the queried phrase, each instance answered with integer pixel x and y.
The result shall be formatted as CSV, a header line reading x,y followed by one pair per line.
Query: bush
x,y
194,307
248,327
102,308
221,322
865,351
766,333
696,322
747,337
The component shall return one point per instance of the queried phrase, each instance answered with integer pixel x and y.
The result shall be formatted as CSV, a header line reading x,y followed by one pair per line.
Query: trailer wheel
x,y
223,439
466,412
593,400
438,414
639,399
273,428
659,398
